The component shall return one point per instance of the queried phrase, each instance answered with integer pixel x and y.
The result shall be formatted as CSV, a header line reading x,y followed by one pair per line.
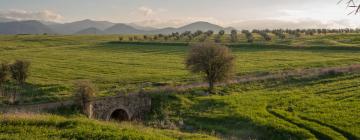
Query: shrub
x,y
20,71
4,72
221,32
233,35
85,91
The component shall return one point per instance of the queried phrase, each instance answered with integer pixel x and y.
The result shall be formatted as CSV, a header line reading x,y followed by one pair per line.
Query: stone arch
x,y
119,114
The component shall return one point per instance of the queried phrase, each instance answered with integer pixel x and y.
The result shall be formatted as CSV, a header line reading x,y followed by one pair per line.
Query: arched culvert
x,y
119,115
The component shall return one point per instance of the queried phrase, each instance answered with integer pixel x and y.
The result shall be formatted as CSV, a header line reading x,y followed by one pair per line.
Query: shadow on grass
x,y
34,93
219,118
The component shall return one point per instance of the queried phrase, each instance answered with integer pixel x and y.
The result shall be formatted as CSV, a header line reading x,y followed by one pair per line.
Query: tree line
x,y
233,35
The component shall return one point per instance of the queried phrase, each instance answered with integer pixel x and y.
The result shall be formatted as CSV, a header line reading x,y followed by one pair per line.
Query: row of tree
x,y
203,36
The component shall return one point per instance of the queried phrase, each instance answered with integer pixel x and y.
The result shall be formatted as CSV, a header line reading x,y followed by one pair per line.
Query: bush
x,y
85,92
4,72
20,71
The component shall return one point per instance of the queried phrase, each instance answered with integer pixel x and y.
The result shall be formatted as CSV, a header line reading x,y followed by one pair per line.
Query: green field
x,y
324,107
58,61
20,126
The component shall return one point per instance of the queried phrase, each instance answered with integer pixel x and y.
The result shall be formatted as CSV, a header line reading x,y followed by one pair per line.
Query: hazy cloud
x,y
146,11
45,15
296,24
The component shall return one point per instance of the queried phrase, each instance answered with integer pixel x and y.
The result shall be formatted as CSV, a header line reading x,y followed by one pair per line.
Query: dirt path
x,y
249,78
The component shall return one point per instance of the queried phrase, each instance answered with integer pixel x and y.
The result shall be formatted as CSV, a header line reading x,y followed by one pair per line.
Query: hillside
x,y
74,27
24,27
90,31
122,29
97,27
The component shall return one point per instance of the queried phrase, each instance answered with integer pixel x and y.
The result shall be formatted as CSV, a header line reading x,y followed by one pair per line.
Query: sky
x,y
175,13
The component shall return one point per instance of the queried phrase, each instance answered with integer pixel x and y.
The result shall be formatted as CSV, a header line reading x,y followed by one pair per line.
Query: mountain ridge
x,y
101,27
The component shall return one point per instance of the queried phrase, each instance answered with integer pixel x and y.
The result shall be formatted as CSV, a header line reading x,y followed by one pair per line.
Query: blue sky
x,y
178,12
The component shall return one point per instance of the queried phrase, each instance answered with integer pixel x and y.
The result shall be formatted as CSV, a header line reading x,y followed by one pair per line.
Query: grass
x,y
313,108
35,126
58,61
323,107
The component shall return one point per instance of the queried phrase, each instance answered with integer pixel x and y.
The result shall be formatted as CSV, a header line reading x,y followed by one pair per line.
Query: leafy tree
x,y
216,62
197,33
121,38
233,35
209,33
20,71
221,32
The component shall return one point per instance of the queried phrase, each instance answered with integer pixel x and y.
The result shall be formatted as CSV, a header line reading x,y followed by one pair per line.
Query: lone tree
x,y
85,91
214,61
20,71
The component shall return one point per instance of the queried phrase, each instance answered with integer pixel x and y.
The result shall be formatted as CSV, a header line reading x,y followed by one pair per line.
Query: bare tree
x,y
214,61
352,4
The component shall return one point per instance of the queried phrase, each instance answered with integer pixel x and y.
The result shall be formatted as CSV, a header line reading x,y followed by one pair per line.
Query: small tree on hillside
x,y
233,35
85,91
214,61
221,32
20,71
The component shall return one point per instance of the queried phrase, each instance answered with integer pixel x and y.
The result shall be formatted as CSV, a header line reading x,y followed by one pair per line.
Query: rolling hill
x,y
74,27
97,27
90,31
123,29
24,27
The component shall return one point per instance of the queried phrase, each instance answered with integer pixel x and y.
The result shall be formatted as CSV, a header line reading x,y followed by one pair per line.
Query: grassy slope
x,y
57,61
20,126
319,108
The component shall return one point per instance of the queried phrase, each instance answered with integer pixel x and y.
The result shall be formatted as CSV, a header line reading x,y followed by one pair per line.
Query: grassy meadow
x,y
58,61
324,107
35,126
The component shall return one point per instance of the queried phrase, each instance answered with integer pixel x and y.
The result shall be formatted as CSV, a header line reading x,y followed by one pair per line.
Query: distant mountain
x,y
2,19
193,27
123,29
90,31
74,27
24,27
98,27
203,26
144,28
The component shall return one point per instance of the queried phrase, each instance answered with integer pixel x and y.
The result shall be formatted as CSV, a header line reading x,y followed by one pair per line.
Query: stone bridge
x,y
120,108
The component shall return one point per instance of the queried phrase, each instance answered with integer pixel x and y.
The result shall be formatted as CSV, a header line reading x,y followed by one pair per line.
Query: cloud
x,y
45,15
294,24
146,11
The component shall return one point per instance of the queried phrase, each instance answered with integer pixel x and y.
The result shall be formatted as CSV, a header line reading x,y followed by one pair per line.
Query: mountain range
x,y
96,27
